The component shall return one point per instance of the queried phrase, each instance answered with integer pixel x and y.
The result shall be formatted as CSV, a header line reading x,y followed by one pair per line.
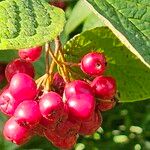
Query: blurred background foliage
x,y
126,127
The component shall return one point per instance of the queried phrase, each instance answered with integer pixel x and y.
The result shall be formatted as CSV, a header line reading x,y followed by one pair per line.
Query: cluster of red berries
x,y
69,110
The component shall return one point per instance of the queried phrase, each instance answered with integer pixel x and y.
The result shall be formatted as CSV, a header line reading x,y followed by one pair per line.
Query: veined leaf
x,y
129,20
133,77
26,23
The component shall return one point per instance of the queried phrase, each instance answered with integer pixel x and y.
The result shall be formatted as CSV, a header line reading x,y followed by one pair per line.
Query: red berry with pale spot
x,y
93,64
31,54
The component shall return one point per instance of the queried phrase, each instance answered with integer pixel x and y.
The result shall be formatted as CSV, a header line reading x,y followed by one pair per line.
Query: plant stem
x,y
59,45
47,57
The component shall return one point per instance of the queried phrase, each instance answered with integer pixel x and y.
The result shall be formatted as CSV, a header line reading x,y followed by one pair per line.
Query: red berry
x,y
60,142
68,128
19,66
77,87
104,87
28,113
105,105
23,87
31,54
90,127
38,130
15,133
52,106
8,103
59,4
58,83
81,106
47,124
93,64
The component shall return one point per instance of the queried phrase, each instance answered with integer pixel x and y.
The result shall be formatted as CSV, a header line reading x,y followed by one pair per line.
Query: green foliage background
x,y
126,127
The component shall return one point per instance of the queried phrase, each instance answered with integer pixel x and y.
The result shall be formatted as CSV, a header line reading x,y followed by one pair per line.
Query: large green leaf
x,y
91,22
26,23
133,77
129,20
79,13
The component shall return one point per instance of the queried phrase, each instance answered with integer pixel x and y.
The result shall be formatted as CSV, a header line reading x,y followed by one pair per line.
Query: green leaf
x,y
79,13
130,22
133,77
8,55
26,23
91,22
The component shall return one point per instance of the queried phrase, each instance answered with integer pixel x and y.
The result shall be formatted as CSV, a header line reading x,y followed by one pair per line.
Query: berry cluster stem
x,y
64,68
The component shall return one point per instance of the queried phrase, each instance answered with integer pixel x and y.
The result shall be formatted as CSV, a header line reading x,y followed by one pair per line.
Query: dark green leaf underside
x,y
26,23
133,77
132,19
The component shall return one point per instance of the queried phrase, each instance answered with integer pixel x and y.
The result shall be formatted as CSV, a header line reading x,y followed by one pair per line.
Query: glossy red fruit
x,y
31,54
105,105
93,64
60,142
58,83
19,66
15,133
23,87
52,106
68,128
77,87
8,103
90,126
81,106
28,113
104,87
